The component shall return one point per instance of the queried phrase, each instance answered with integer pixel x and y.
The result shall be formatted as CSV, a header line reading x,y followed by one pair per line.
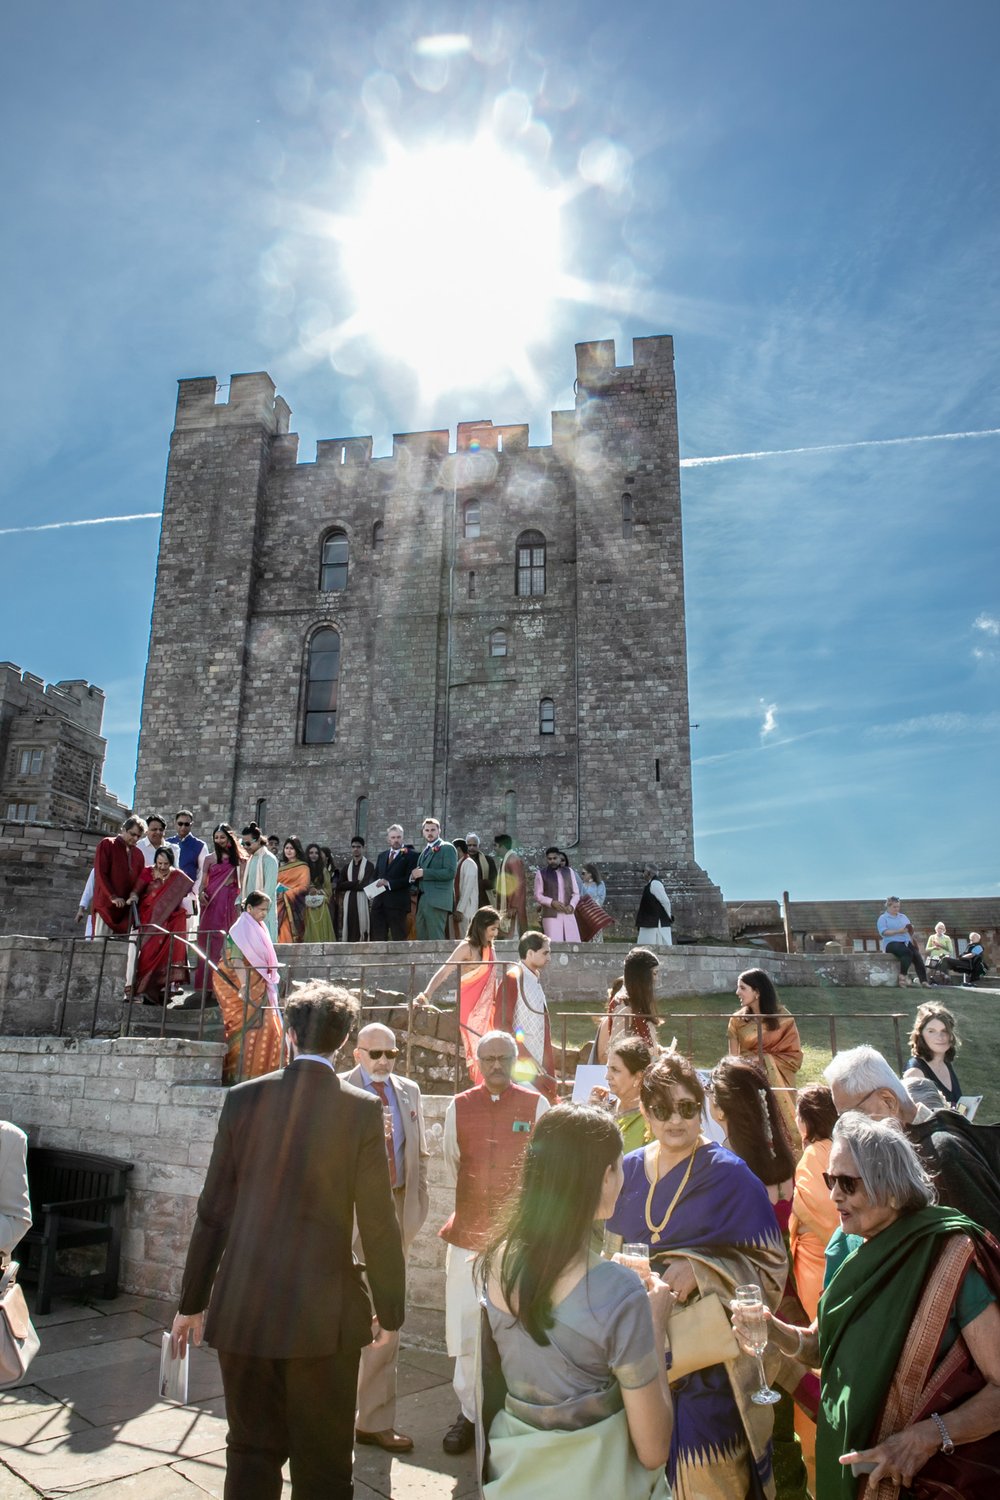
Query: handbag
x,y
700,1335
315,899
591,918
18,1339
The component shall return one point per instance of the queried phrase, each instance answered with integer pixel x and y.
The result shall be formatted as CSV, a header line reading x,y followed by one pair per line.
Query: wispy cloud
x,y
988,624
926,726
147,515
770,721
927,437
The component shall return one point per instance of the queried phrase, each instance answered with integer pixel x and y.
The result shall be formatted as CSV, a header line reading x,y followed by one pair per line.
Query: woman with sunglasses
x,y
907,1334
710,1227
576,1397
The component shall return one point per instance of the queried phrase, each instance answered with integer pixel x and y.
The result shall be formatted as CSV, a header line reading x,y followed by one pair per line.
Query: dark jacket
x,y
297,1154
964,1161
397,897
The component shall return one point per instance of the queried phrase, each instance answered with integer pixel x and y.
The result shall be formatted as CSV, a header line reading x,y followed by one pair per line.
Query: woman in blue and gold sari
x,y
710,1227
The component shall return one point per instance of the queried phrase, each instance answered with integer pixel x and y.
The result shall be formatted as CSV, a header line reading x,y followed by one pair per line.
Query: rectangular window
x,y
30,762
858,944
22,812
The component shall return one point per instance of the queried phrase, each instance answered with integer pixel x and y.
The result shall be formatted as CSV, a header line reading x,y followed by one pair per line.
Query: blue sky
x,y
804,196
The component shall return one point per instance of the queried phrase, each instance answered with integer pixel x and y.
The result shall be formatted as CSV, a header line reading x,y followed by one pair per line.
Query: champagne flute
x,y
753,1333
636,1255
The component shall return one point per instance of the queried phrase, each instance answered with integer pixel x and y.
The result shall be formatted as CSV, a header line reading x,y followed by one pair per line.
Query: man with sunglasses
x,y
191,853
406,1147
962,1159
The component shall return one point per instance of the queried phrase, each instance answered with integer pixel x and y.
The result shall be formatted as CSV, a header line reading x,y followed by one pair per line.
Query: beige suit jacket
x,y
15,1210
415,1152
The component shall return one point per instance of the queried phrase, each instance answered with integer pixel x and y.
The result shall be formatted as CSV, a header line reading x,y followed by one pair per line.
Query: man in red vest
x,y
486,1133
118,866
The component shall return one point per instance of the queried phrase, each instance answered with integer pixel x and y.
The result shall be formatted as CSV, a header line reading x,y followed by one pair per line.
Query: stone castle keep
x,y
495,635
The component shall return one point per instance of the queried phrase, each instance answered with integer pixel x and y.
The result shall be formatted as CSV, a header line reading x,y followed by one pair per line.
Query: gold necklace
x,y
656,1230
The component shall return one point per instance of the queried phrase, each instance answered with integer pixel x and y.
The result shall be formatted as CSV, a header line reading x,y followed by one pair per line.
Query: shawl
x,y
865,1318
254,942
477,998
295,878
159,900
782,1044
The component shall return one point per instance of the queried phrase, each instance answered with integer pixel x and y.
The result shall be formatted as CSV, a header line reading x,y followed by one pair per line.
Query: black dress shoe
x,y
460,1435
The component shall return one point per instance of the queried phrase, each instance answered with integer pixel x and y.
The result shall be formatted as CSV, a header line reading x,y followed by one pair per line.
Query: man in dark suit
x,y
435,873
289,1312
391,909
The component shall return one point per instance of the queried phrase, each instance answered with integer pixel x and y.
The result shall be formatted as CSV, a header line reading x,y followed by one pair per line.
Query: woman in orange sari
x,y
161,957
246,987
479,980
779,1038
293,887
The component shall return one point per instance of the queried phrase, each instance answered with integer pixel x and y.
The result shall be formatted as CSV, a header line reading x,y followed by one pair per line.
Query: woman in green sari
x,y
318,921
908,1332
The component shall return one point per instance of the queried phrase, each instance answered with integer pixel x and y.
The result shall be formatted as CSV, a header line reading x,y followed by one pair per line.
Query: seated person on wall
x,y
895,932
972,964
939,947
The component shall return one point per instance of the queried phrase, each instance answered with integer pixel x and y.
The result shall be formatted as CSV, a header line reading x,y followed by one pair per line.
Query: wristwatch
x,y
947,1446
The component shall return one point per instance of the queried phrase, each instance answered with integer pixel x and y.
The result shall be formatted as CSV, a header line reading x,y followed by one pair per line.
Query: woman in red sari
x,y
161,956
479,979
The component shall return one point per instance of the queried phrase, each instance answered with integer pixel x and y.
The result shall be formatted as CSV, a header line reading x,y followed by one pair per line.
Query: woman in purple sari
x,y
220,898
710,1227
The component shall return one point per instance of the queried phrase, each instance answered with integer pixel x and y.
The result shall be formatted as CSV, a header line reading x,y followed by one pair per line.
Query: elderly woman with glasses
x,y
710,1227
908,1331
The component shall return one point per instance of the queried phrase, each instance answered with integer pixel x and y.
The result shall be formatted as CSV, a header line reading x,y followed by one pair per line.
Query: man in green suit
x,y
435,873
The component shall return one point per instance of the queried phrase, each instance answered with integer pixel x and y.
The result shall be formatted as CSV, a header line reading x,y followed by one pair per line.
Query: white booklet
x,y
373,890
173,1373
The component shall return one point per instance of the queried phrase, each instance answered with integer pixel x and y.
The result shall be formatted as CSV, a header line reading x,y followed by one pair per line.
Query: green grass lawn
x,y
859,1015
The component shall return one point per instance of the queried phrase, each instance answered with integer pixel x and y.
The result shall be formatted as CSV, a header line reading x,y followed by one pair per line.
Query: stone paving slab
x,y
88,1422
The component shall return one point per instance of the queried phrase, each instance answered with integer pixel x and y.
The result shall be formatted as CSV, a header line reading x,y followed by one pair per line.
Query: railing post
x,y
409,1018
243,1029
899,1045
833,1035
100,974
61,1018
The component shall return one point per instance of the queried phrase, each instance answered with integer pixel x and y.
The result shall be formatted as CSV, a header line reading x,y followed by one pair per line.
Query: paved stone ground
x,y
87,1420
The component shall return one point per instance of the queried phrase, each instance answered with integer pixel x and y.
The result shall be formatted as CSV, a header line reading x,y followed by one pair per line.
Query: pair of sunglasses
x,y
686,1108
381,1052
847,1185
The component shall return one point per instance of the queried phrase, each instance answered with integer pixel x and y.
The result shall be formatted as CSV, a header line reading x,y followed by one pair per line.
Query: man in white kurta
x,y
466,887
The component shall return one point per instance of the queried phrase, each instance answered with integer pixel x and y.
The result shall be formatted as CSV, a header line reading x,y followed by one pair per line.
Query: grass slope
x,y
859,1015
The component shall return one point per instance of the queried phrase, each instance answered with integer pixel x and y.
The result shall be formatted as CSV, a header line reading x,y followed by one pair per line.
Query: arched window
x,y
322,674
546,716
626,516
333,567
530,576
378,537
471,520
498,643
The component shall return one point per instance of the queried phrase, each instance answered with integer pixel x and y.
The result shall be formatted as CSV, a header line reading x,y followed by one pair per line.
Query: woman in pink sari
x,y
161,956
246,987
479,980
220,897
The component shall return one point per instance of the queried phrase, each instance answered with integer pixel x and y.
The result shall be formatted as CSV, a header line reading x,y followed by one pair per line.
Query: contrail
x,y
928,437
146,515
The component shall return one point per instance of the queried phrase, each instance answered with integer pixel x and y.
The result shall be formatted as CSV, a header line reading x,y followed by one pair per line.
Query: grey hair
x,y
395,828
862,1070
497,1036
887,1164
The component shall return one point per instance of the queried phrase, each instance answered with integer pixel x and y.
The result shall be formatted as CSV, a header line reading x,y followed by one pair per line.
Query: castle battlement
x,y
596,367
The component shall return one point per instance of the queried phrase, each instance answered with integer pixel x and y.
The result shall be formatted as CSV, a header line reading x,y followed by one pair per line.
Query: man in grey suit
x,y
289,1310
406,1152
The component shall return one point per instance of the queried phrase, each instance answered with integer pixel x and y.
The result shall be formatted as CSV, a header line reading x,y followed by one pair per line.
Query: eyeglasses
x,y
183,822
857,1105
380,1052
686,1108
848,1185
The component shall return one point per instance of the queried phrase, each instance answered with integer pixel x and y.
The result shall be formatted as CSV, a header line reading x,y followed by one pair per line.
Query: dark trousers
x,y
386,920
972,968
296,1409
907,955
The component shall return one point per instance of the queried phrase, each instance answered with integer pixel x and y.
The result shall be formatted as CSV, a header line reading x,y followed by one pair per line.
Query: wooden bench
x,y
76,1200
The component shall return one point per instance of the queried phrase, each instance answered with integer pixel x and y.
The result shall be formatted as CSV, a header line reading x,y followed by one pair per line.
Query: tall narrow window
x,y
322,674
333,568
260,816
498,643
510,813
471,520
472,585
626,516
530,577
378,537
361,818
546,716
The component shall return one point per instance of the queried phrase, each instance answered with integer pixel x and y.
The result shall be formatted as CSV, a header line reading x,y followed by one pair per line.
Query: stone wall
x,y
157,1103
43,871
428,720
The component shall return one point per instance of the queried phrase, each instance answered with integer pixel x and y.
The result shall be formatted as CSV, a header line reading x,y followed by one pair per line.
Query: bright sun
x,y
454,260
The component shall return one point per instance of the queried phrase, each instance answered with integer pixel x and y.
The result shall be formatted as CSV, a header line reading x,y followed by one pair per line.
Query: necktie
x,y
390,1140
392,855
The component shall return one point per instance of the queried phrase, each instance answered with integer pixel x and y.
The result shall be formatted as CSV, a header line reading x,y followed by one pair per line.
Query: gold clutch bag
x,y
700,1335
